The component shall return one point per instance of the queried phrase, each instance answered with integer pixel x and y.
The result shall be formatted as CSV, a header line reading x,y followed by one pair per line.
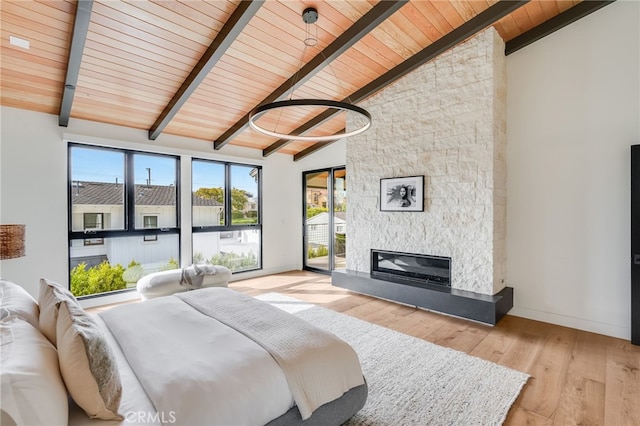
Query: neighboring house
x,y
250,205
317,227
99,205
317,197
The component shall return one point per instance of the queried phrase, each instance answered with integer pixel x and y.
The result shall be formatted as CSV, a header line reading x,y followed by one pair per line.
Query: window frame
x,y
129,198
129,229
228,208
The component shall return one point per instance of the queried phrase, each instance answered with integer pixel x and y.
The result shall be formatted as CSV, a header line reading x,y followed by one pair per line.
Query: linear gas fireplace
x,y
416,269
423,281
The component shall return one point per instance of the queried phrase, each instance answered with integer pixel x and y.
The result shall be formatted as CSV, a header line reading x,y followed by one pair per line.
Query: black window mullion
x,y
130,193
227,195
178,224
259,206
331,230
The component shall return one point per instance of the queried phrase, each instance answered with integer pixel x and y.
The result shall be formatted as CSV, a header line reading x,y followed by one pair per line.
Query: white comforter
x,y
197,370
318,366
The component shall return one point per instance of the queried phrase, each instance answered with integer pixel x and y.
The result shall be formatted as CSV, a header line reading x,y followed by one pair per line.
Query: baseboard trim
x,y
263,272
611,330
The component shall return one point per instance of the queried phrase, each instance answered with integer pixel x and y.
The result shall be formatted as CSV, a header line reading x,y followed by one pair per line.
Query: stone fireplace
x,y
445,121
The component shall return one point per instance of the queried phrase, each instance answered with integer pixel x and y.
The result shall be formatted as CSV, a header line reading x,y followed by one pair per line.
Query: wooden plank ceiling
x,y
196,68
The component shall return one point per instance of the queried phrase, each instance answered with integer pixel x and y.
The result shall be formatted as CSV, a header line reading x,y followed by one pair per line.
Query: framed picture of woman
x,y
402,194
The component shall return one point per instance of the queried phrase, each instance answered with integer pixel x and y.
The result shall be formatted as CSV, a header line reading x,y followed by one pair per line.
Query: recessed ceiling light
x,y
20,42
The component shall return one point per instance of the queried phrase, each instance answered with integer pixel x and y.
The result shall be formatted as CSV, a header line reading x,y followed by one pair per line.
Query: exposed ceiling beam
x,y
446,42
379,13
227,35
578,11
80,28
316,146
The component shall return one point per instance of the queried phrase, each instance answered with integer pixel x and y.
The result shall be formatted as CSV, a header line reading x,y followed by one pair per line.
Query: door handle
x,y
636,259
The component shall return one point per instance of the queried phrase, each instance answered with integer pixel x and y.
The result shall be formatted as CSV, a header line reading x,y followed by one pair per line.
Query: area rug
x,y
414,382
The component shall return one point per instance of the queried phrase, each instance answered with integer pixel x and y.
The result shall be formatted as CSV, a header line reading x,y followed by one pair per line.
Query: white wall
x,y
572,114
33,155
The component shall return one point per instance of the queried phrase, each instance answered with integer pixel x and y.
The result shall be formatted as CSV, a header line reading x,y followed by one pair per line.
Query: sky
x,y
103,165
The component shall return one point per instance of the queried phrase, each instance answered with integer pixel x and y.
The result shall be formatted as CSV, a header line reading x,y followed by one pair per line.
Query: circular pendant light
x,y
310,17
262,109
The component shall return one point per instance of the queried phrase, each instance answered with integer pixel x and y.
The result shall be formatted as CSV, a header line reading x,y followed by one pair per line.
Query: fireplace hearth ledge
x,y
460,303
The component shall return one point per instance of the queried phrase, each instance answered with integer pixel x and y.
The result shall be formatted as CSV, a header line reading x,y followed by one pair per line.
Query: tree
x,y
211,193
239,197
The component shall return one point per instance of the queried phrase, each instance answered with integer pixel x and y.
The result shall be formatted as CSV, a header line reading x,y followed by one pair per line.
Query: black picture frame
x,y
402,194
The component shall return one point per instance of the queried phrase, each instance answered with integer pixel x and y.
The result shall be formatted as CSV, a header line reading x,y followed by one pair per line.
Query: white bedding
x,y
206,374
193,369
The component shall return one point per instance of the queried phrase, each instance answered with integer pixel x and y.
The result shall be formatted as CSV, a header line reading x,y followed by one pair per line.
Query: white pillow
x,y
32,391
49,298
160,283
87,363
16,301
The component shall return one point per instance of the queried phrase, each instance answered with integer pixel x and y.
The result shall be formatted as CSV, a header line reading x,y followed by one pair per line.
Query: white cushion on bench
x,y
164,283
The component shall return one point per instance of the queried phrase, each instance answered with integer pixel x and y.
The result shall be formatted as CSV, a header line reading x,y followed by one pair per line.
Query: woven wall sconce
x,y
11,241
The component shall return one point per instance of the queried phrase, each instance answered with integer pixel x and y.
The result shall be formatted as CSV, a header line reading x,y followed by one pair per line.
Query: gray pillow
x,y
87,363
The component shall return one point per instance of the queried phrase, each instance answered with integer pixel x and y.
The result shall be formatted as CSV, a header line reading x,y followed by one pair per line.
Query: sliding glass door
x,y
325,209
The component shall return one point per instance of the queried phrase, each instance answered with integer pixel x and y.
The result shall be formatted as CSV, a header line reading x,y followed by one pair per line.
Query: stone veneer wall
x,y
446,121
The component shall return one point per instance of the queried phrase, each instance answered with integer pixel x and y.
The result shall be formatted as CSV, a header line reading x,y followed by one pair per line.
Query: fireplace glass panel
x,y
416,267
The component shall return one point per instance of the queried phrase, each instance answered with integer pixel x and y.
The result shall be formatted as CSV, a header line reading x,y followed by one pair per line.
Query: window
x,y
244,194
92,221
150,221
116,196
226,206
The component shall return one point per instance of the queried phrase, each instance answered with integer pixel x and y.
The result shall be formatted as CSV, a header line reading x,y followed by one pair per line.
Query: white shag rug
x,y
414,382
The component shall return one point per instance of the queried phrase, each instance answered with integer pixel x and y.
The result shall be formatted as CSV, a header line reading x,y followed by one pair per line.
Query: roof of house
x,y
104,193
322,218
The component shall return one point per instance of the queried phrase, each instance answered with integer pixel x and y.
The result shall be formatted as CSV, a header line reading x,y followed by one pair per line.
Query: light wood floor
x,y
577,378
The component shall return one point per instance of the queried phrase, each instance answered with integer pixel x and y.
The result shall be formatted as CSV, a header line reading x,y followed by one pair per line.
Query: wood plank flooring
x,y
577,378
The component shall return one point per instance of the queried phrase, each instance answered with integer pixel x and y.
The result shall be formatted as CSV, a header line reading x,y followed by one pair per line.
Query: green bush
x,y
236,214
172,264
234,261
252,214
340,244
99,279
245,221
133,273
317,252
198,257
314,211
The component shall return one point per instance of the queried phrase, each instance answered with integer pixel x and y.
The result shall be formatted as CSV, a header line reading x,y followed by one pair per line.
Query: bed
x,y
209,356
